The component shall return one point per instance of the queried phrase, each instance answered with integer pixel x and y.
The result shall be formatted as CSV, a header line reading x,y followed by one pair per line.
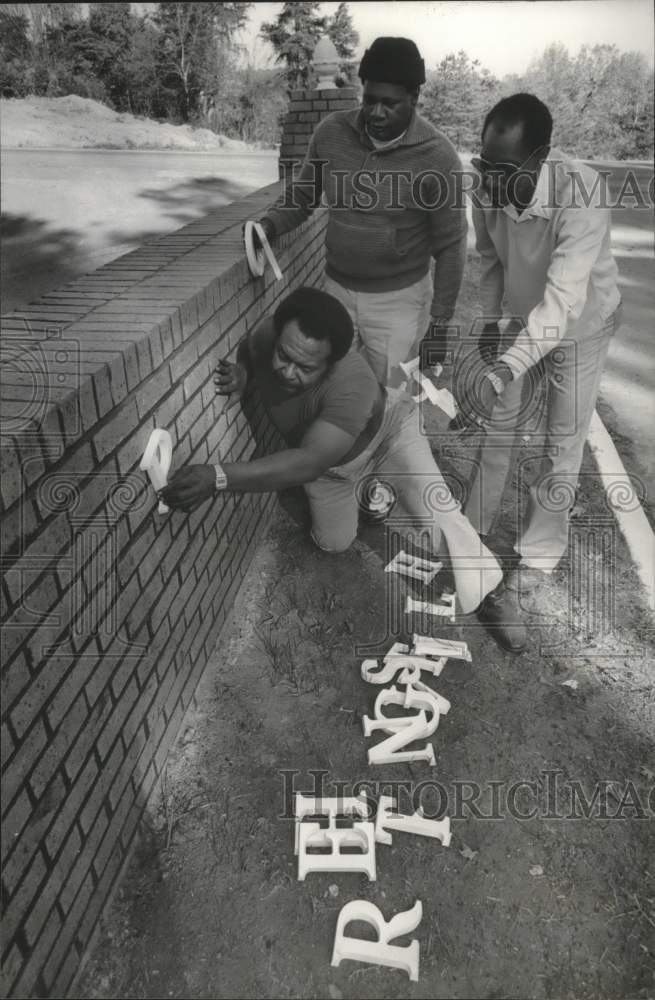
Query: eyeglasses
x,y
507,170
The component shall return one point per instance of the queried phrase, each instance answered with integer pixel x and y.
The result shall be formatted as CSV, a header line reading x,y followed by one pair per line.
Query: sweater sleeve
x,y
579,239
301,195
448,231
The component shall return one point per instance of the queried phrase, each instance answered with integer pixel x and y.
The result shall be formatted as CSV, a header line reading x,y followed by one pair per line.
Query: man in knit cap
x,y
388,178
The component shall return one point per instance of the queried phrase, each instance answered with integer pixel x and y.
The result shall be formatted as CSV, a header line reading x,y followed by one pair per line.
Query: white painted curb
x,y
632,521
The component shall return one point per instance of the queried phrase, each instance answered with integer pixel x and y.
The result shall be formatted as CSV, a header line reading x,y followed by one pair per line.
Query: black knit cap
x,y
393,60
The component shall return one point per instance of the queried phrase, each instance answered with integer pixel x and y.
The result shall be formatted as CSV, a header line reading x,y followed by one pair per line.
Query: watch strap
x,y
221,479
496,382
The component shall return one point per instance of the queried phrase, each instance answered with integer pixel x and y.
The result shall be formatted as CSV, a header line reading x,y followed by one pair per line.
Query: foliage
x,y
194,44
14,54
457,96
294,35
341,30
251,106
182,62
601,99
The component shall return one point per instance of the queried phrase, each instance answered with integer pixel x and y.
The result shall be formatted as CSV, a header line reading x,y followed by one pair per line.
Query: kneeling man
x,y
342,427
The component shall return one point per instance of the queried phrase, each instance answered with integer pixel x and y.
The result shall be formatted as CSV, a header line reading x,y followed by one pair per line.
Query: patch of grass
x,y
280,650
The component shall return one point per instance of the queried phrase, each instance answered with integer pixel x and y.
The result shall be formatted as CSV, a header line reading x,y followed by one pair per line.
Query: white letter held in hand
x,y
257,258
156,461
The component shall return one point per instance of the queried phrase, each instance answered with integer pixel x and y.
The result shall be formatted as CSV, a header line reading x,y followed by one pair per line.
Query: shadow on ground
x,y
36,258
182,203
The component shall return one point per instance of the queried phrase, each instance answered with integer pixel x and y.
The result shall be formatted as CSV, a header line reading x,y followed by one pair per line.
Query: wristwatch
x,y
221,479
496,382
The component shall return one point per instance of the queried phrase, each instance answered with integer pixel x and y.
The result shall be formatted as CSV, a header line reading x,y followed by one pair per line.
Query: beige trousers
x,y
573,371
400,459
389,326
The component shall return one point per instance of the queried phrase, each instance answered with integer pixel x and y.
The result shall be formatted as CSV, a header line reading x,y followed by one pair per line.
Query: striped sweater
x,y
390,210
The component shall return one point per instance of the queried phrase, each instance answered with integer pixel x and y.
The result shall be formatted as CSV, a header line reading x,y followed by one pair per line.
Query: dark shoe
x,y
500,613
525,579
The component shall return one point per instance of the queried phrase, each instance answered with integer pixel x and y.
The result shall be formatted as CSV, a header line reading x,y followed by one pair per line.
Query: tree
x,y
552,78
32,71
341,30
193,38
252,106
42,16
15,54
294,35
112,27
141,68
69,55
456,98
601,100
634,82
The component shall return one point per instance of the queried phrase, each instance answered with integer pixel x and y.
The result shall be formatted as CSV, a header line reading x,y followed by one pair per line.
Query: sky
x,y
504,36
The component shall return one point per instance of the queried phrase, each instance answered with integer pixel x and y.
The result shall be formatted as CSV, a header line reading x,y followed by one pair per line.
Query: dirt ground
x,y
558,905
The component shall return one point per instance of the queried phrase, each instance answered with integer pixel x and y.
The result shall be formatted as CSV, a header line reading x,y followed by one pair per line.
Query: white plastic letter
x,y
398,658
360,835
412,678
307,805
380,952
414,567
156,461
406,731
425,645
443,610
443,398
257,259
386,819
410,698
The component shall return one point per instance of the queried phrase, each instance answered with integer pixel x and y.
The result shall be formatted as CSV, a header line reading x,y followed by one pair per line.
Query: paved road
x,y
628,386
65,213
111,201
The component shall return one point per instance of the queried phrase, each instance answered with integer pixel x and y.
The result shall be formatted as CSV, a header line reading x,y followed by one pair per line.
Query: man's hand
x,y
189,487
489,342
230,377
476,391
268,228
433,347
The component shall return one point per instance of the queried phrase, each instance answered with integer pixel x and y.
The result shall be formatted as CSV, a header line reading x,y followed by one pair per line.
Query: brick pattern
x,y
305,111
109,610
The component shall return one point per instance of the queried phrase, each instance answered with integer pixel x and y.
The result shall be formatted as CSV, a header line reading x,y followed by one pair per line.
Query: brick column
x,y
306,109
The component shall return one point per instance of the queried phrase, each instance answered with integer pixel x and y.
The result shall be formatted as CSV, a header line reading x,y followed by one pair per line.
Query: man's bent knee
x,y
333,543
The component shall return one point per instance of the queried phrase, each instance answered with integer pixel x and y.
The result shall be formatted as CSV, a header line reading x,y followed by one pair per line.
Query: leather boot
x,y
525,579
500,613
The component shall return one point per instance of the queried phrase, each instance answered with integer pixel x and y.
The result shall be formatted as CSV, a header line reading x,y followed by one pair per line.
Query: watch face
x,y
221,479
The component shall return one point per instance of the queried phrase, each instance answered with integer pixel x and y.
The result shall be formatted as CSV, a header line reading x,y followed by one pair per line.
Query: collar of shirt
x,y
389,143
544,200
417,132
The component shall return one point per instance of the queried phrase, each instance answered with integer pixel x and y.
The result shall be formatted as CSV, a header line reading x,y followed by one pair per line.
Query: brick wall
x,y
110,610
306,109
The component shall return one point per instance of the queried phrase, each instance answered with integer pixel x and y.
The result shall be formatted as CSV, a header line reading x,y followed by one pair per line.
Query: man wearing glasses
x,y
543,233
